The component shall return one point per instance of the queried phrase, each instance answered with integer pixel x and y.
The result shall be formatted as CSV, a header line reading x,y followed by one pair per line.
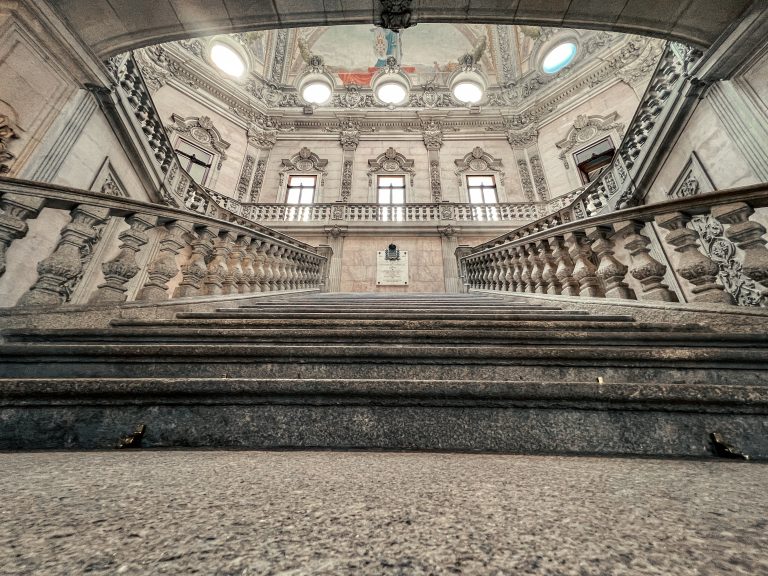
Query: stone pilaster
x,y
335,238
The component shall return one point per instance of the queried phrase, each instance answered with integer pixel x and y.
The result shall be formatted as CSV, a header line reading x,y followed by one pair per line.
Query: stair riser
x,y
517,429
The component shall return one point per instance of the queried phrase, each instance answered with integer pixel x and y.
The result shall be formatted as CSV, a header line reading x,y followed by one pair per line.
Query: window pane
x,y
302,181
293,196
489,195
198,173
480,181
307,195
398,196
396,181
475,196
384,196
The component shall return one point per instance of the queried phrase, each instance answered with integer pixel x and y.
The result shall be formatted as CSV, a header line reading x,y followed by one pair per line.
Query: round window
x,y
559,57
226,59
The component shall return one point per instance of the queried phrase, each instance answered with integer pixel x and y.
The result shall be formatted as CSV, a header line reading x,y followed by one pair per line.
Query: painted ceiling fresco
x,y
429,53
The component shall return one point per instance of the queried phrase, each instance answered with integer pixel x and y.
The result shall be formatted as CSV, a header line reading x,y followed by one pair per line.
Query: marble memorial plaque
x,y
391,272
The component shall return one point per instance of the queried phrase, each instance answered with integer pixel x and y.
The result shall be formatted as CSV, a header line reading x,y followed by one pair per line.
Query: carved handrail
x,y
712,233
225,257
616,186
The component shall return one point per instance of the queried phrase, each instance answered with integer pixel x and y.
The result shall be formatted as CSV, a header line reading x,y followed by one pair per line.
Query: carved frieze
x,y
434,181
346,181
7,133
245,177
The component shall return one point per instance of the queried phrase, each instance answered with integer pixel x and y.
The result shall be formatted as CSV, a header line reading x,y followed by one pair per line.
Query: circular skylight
x,y
559,57
391,92
227,60
468,92
316,92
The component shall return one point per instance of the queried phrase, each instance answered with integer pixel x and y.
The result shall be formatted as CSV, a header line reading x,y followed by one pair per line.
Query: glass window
x,y
391,189
591,161
482,190
301,190
195,160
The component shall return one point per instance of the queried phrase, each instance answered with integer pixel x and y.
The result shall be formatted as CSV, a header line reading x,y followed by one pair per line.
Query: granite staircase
x,y
389,371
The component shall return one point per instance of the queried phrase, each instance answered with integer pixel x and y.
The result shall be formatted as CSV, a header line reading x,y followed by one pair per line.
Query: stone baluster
x,y
123,267
290,270
525,273
274,269
163,268
234,276
646,269
610,271
496,273
537,280
694,266
217,267
564,267
298,270
549,268
248,278
509,266
259,273
303,279
15,210
748,236
517,281
65,263
267,283
280,277
584,271
195,270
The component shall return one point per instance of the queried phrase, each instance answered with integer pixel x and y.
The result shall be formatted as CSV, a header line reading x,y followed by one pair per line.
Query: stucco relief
x,y
7,133
586,128
202,131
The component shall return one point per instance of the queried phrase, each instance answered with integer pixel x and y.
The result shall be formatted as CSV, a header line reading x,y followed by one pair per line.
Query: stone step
x,y
702,358
225,313
558,334
574,323
563,416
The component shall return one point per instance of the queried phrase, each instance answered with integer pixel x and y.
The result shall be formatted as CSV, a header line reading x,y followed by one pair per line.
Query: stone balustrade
x,y
368,212
223,257
702,249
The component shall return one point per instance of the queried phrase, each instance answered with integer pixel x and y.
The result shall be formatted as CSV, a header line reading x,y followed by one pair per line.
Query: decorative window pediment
x,y
202,131
585,129
478,161
390,162
303,162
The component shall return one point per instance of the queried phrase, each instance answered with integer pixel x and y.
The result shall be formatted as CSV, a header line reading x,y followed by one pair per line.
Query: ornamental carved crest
x,y
584,129
202,131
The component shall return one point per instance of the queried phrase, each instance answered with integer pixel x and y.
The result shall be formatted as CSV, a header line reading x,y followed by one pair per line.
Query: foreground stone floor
x,y
378,513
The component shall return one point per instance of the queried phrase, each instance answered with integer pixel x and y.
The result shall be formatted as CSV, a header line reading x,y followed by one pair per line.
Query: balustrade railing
x,y
224,257
705,248
616,186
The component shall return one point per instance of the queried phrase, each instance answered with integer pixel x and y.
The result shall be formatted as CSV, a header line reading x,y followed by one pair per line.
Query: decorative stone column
x,y
119,270
694,266
195,270
164,266
432,134
564,267
610,271
349,138
549,268
584,271
65,263
248,277
234,277
646,269
261,138
449,243
15,210
217,268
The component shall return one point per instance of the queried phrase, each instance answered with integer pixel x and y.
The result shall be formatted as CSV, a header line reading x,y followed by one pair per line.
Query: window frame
x,y
183,156
379,189
482,188
584,176
301,188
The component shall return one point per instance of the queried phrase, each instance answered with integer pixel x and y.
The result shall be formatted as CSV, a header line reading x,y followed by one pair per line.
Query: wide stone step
x,y
557,334
575,323
564,416
414,315
702,358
